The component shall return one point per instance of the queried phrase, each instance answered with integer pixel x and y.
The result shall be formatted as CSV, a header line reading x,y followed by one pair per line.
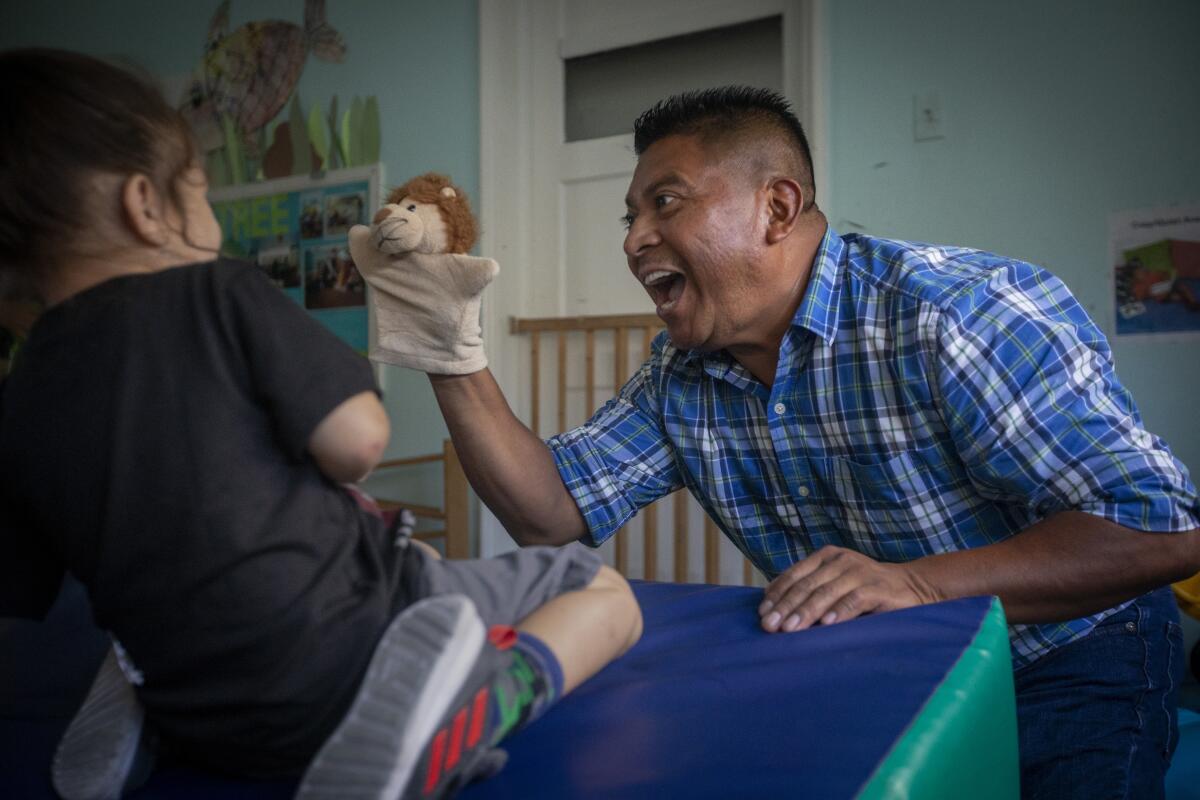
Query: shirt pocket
x,y
892,509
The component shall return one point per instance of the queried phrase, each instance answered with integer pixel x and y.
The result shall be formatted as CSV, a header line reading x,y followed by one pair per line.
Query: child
x,y
174,434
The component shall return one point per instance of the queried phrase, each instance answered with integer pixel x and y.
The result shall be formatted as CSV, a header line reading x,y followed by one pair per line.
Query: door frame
x,y
513,51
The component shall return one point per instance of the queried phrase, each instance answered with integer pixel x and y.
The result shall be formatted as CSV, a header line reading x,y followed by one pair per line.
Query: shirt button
x,y
1131,627
803,491
780,408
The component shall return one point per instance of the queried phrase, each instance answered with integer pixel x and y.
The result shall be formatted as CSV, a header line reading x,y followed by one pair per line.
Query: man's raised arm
x,y
510,468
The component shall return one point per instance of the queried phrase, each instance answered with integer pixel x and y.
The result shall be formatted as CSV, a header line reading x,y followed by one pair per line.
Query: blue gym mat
x,y
913,703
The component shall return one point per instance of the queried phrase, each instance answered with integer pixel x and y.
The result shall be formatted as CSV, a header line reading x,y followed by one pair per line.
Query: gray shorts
x,y
505,589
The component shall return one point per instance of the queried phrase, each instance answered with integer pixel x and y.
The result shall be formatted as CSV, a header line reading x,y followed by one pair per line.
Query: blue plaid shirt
x,y
927,399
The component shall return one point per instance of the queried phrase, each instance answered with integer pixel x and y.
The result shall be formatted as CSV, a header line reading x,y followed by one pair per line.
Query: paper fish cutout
x,y
248,75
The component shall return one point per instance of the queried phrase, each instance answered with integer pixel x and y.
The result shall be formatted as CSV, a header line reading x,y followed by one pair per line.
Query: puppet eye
x,y
412,207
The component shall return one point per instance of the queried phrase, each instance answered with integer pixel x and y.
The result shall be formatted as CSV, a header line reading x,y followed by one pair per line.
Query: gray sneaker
x,y
419,726
104,751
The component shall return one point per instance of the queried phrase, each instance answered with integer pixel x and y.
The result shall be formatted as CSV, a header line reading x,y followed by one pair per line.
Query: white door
x,y
549,206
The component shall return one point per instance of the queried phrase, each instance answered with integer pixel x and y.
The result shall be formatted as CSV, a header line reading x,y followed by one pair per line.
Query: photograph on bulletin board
x,y
1155,258
296,230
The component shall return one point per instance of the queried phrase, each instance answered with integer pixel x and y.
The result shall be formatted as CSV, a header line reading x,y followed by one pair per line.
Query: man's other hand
x,y
835,584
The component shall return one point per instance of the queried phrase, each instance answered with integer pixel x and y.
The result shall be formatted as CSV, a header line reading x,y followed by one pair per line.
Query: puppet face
x,y
409,226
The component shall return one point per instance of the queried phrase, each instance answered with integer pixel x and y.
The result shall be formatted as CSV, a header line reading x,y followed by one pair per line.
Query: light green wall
x,y
421,59
1057,114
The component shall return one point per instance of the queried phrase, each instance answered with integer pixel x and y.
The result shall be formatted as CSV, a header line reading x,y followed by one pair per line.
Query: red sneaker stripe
x,y
456,738
435,761
502,637
478,714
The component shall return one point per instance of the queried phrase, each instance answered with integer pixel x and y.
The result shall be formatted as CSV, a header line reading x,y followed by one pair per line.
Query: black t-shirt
x,y
153,442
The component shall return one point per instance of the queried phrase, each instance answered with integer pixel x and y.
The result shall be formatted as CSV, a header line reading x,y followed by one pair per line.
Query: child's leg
x,y
437,697
582,611
558,646
585,628
588,628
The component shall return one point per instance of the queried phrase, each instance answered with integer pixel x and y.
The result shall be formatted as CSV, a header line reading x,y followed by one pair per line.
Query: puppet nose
x,y
382,214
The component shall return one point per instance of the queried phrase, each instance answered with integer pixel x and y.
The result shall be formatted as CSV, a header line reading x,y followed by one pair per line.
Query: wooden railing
x,y
455,530
623,331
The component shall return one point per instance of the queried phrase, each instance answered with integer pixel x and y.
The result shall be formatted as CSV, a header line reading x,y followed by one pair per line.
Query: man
x,y
876,425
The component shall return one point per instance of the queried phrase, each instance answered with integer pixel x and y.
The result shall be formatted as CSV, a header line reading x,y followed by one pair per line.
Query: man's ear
x,y
142,210
785,202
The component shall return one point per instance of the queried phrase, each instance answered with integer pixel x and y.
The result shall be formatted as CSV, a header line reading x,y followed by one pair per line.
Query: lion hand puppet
x,y
427,291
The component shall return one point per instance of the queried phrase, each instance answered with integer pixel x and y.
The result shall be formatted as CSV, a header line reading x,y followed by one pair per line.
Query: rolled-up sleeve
x,y
618,461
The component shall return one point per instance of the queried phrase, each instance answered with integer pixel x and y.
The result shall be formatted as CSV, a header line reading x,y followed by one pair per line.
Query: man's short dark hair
x,y
728,112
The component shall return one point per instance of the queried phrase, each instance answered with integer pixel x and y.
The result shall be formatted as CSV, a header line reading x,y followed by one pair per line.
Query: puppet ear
x,y
448,191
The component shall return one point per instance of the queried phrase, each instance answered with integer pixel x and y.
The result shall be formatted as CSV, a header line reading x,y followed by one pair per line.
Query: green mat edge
x,y
932,759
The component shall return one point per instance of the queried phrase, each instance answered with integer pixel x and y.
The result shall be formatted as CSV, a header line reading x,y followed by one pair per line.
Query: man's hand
x,y
835,584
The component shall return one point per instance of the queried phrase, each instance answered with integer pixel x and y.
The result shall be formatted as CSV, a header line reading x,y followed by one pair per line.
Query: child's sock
x,y
529,685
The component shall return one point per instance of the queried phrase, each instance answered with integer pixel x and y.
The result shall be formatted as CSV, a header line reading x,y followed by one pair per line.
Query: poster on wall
x,y
1155,265
296,229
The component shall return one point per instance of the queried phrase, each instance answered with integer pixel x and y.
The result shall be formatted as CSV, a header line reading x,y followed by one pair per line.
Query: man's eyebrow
x,y
670,179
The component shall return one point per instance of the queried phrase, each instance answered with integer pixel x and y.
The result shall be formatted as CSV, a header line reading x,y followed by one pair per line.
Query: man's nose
x,y
640,236
381,215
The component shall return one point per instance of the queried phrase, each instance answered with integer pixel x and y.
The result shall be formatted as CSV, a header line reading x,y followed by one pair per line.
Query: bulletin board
x,y
296,229
1154,258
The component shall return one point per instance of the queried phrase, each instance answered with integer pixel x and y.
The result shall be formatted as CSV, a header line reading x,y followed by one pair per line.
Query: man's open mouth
x,y
665,287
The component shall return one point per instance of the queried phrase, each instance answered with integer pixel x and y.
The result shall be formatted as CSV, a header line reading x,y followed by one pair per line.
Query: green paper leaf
x,y
254,165
233,150
298,130
354,131
345,133
337,148
316,133
370,131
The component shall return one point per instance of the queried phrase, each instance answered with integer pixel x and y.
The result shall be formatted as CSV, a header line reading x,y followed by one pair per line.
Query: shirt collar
x,y
818,311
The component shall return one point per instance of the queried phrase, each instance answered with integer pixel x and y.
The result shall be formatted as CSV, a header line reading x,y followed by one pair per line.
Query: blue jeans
x,y
1097,718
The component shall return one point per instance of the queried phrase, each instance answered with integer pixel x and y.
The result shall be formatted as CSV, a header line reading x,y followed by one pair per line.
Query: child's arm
x,y
349,441
321,397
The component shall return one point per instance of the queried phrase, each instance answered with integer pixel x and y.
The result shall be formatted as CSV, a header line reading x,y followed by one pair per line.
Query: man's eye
x,y
627,221
663,200
412,208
